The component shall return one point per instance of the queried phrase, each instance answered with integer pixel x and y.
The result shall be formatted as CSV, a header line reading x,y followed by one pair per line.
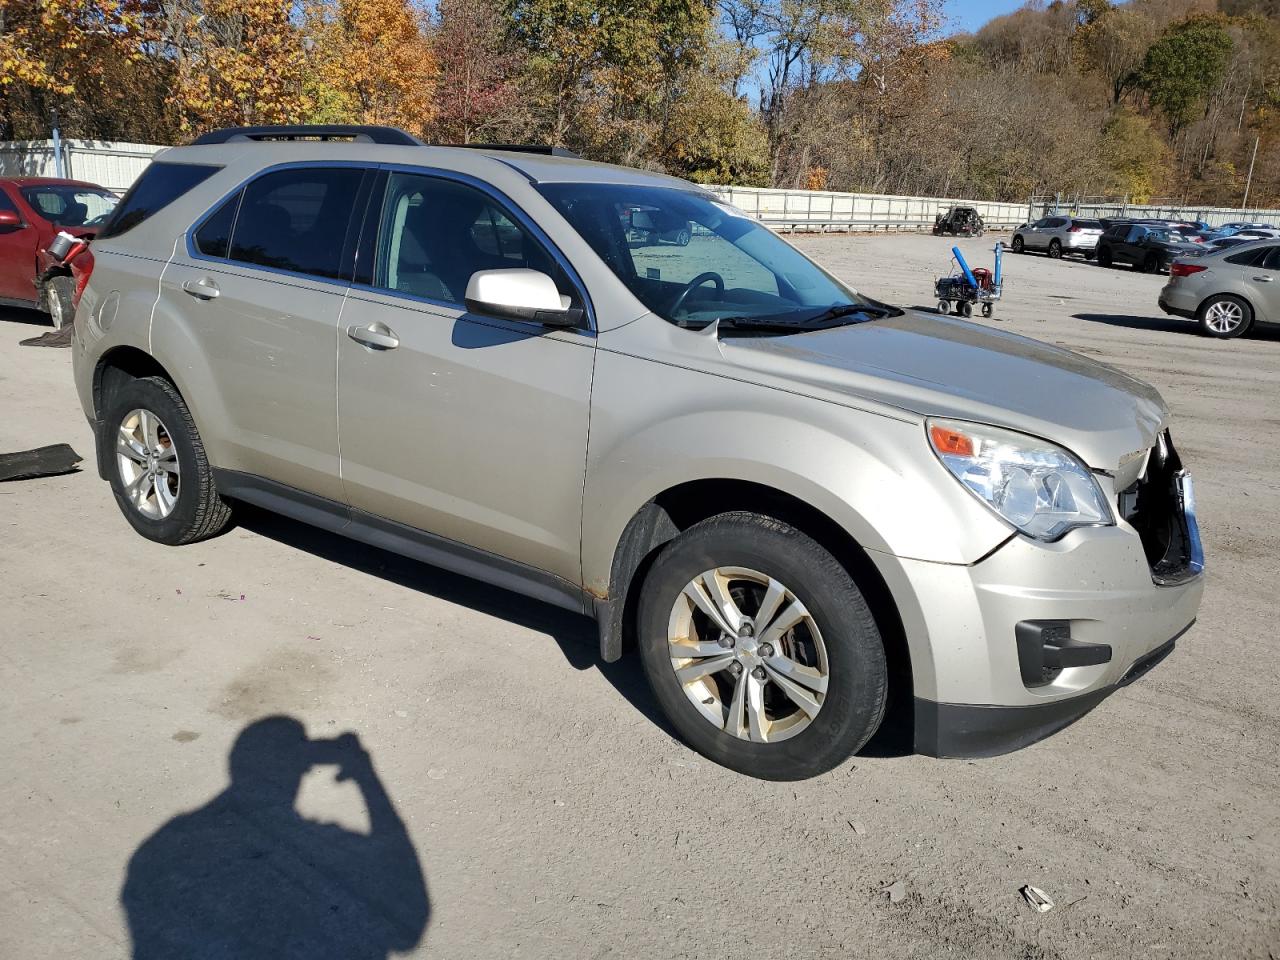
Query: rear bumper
x,y
980,730
1178,303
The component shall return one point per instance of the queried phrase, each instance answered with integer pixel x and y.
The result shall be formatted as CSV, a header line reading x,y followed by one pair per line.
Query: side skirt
x,y
404,540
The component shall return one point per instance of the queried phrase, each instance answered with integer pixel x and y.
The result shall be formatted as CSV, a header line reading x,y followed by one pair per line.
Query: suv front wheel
x,y
159,472
761,649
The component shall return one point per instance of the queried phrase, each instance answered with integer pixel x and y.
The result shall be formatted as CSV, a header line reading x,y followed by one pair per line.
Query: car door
x,y
1131,249
1265,281
470,428
17,253
259,288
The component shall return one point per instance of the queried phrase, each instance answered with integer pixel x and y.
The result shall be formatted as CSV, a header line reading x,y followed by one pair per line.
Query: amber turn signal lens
x,y
950,442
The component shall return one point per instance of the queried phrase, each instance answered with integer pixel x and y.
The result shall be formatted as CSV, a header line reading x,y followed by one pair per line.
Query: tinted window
x,y
436,233
1087,224
159,185
297,220
1054,222
213,239
6,203
1271,261
1248,258
1136,234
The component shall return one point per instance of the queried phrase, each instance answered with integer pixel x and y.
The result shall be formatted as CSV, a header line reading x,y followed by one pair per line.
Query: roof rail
x,y
352,132
546,151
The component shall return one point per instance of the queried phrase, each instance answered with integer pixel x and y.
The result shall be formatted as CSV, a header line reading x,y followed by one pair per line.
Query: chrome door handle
x,y
376,335
1264,279
202,289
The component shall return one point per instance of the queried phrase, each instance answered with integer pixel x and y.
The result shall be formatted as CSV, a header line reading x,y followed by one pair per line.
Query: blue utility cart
x,y
963,288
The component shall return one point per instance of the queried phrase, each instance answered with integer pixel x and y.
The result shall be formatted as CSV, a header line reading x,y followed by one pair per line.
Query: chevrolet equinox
x,y
798,503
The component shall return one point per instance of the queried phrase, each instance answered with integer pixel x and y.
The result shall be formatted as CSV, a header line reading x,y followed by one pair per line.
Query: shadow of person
x,y
247,877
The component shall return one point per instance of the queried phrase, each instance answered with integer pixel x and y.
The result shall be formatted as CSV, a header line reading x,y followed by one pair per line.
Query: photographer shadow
x,y
247,877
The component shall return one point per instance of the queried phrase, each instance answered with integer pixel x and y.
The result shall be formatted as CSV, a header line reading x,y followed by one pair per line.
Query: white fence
x,y
116,165
111,165
821,210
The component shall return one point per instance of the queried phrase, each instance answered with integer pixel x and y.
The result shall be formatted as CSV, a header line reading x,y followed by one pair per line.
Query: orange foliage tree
x,y
370,62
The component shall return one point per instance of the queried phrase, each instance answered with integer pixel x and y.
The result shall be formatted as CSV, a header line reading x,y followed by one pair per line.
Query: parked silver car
x,y
1058,235
799,503
1228,291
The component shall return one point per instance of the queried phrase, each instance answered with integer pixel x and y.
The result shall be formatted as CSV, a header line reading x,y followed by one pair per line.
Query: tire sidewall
x,y
1245,323
149,395
57,292
857,683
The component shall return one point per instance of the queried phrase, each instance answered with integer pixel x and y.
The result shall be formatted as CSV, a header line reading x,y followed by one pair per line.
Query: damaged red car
x,y
33,210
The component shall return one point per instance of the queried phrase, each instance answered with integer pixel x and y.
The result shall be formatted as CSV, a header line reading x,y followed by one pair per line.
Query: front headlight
x,y
1038,487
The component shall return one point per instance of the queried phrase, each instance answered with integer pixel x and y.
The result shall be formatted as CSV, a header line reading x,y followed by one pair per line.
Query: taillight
x,y
81,264
1184,269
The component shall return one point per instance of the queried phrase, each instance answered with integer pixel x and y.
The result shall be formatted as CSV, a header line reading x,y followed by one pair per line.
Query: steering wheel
x,y
694,284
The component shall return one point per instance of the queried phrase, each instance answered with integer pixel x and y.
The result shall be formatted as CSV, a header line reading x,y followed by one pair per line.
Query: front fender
x,y
656,426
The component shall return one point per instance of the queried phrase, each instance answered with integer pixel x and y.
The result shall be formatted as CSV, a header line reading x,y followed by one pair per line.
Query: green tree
x,y
1136,158
1183,67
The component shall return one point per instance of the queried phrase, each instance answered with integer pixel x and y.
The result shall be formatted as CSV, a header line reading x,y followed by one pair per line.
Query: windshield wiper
x,y
826,320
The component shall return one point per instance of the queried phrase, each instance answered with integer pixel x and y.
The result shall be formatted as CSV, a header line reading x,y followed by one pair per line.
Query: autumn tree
x,y
1183,66
370,61
481,89
86,60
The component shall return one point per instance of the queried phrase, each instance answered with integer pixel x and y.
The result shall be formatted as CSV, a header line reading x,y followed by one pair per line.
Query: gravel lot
x,y
551,812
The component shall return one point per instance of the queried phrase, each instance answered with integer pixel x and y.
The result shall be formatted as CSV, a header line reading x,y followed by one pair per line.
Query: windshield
x,y
70,206
692,259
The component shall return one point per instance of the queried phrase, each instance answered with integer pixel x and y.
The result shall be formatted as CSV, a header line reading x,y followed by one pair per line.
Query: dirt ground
x,y
543,803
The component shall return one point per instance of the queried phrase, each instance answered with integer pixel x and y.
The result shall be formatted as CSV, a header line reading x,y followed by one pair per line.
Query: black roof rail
x,y
357,133
543,149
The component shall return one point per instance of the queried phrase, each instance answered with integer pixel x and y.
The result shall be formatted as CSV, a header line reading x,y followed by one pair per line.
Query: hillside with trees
x,y
1145,99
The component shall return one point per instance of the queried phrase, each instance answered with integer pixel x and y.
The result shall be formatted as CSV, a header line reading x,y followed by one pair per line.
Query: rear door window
x,y
297,220
1271,259
159,185
1248,258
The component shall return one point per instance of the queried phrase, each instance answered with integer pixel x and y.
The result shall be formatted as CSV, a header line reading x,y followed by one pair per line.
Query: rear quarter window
x,y
159,185
1248,258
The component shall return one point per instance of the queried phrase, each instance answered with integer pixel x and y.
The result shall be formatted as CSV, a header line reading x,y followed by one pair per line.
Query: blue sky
x,y
969,15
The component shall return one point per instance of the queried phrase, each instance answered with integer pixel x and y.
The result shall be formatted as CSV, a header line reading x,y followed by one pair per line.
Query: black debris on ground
x,y
53,338
41,462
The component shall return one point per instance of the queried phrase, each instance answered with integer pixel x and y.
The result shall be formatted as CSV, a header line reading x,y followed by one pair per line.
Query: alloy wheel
x,y
148,464
748,654
55,307
1224,316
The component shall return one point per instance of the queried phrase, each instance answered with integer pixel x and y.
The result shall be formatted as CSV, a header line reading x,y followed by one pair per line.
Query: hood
x,y
937,366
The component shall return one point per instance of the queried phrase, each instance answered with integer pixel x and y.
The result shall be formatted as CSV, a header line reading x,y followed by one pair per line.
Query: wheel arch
x,y
115,367
665,516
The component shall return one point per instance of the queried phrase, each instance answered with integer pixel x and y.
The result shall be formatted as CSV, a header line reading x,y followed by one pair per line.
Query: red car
x,y
32,211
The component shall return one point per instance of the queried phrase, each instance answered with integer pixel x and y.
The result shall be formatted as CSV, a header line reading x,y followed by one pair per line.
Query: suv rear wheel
x,y
760,648
1055,249
1225,316
159,472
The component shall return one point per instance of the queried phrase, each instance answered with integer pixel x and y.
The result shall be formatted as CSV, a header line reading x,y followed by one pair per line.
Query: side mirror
x,y
10,218
520,294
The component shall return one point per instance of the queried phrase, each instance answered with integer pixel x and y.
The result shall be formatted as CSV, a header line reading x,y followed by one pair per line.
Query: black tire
x,y
944,307
987,310
965,309
1104,257
857,679
1018,245
1151,263
683,237
1055,249
198,511
1230,333
57,301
